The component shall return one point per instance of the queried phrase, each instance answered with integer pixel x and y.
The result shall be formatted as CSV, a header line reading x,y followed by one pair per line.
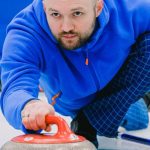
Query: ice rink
x,y
7,132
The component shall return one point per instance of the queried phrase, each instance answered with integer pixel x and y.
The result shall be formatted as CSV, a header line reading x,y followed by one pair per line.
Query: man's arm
x,y
20,74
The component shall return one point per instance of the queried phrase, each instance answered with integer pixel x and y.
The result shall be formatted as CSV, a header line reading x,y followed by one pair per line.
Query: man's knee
x,y
136,117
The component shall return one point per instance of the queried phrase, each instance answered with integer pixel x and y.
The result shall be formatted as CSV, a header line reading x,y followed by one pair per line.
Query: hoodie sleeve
x,y
20,74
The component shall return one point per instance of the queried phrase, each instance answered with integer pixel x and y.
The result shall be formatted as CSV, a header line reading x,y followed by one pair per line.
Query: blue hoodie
x,y
32,55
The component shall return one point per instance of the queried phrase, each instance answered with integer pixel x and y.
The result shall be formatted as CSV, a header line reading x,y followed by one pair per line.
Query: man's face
x,y
72,21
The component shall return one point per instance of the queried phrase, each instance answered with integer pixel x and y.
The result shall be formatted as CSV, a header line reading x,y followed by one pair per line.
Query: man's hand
x,y
33,115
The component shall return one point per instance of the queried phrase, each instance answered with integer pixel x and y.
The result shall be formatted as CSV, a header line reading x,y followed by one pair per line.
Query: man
x,y
90,56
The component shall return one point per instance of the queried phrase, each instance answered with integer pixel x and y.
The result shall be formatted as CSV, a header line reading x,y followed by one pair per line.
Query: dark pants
x,y
129,85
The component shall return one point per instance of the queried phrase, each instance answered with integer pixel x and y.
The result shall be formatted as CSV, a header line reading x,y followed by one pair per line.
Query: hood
x,y
41,18
102,21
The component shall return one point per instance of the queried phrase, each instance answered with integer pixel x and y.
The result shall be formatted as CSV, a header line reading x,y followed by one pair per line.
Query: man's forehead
x,y
70,5
72,9
69,1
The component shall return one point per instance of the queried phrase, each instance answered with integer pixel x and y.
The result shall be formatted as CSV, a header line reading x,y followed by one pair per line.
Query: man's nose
x,y
67,25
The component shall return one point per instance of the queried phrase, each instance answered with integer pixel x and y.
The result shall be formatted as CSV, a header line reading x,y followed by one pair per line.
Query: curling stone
x,y
64,139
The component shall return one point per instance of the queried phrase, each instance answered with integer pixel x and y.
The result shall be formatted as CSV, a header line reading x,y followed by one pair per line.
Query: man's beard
x,y
72,44
78,41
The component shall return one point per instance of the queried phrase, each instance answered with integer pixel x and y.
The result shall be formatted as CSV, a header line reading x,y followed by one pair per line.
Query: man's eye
x,y
78,13
55,14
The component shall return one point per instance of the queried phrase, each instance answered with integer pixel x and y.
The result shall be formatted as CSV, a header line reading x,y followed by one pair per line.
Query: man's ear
x,y
44,7
99,7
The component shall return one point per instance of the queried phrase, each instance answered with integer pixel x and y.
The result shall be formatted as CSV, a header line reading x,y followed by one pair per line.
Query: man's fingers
x,y
48,128
36,121
40,118
34,113
25,122
33,123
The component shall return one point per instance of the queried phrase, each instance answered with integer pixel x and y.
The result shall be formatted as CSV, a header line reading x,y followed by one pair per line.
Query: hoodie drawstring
x,y
87,58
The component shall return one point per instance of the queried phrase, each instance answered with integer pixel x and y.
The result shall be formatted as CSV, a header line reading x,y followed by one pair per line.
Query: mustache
x,y
67,33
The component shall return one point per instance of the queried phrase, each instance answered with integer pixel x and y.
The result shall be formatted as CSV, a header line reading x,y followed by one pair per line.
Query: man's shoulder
x,y
138,4
135,8
128,5
139,8
24,20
